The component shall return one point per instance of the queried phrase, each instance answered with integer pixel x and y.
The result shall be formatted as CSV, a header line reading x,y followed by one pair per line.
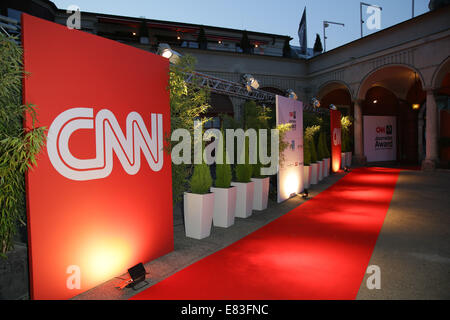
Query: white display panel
x,y
290,174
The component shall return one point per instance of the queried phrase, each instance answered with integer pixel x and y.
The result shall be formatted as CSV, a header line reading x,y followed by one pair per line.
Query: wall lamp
x,y
250,82
291,94
315,102
167,52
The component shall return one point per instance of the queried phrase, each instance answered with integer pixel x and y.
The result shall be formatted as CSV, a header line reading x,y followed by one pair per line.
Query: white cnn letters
x,y
108,138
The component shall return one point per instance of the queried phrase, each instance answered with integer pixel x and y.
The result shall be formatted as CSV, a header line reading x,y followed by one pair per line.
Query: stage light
x,y
134,33
137,275
167,52
375,101
250,82
315,102
333,107
291,94
416,106
305,194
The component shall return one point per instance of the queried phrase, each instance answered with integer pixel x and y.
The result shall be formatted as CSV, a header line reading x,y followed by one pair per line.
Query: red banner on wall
x,y
100,198
336,144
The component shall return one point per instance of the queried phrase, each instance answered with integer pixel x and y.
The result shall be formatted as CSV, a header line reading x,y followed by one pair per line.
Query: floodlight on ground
x,y
315,102
250,82
291,94
137,275
305,194
164,50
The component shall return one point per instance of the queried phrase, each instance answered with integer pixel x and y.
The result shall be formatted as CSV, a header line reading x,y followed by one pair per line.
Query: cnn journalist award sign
x,y
100,198
380,138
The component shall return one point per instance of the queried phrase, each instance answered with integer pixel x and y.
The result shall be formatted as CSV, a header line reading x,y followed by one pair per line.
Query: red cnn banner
x,y
335,123
100,198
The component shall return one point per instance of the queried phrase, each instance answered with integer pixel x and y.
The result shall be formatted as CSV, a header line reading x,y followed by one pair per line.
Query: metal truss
x,y
11,27
230,88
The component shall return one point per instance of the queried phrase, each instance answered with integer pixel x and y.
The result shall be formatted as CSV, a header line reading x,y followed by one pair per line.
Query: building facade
x,y
402,71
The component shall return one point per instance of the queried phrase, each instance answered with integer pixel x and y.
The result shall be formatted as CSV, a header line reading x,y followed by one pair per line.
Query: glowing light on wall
x,y
291,184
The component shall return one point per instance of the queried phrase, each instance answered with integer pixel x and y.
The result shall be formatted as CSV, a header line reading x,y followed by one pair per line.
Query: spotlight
x,y
291,94
167,52
333,107
315,102
416,106
137,275
305,194
375,101
250,82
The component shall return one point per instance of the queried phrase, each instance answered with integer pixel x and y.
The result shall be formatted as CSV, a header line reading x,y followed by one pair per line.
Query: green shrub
x,y
306,153
188,102
19,147
320,147
310,132
201,180
223,171
244,171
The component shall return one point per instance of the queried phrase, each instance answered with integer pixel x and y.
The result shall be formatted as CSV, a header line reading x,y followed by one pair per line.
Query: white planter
x,y
348,160
306,176
260,193
343,160
198,214
244,199
320,170
314,173
224,206
327,167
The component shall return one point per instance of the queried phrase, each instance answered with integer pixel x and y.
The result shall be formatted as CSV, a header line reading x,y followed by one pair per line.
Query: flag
x,y
302,33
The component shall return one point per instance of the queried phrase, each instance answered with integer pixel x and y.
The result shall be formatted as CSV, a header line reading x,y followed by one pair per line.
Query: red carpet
x,y
319,250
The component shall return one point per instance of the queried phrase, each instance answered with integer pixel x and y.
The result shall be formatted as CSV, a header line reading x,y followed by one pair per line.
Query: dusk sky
x,y
277,17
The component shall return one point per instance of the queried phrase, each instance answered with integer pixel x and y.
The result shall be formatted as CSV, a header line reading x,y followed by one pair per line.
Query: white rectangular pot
x,y
326,167
224,206
343,160
314,173
260,193
244,198
348,159
306,176
198,214
320,170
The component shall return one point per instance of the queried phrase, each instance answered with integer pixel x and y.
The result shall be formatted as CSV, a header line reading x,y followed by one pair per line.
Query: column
x,y
359,139
431,133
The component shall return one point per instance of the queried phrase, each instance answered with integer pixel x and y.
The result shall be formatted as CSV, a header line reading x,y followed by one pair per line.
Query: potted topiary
x,y
261,187
346,123
320,158
326,154
306,164
322,153
314,163
245,188
224,194
199,203
344,148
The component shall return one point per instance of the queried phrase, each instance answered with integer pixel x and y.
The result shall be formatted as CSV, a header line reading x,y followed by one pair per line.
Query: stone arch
x,y
376,77
332,85
441,71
